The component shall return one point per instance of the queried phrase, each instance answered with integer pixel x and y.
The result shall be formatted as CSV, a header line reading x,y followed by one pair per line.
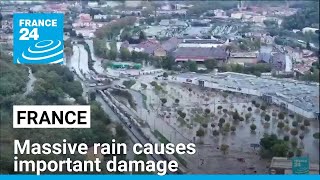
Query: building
x,y
151,47
296,96
201,43
265,54
236,15
281,63
171,44
219,13
197,54
309,29
243,58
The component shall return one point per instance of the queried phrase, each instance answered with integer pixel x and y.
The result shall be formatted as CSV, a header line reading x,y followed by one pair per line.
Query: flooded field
x,y
186,113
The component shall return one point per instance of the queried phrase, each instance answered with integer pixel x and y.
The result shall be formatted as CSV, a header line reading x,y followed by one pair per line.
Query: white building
x,y
237,15
309,29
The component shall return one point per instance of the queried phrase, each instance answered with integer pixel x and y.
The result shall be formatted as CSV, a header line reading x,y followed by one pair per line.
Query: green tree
x,y
267,117
210,64
192,66
316,135
163,101
253,127
125,54
142,36
224,148
200,133
280,125
294,132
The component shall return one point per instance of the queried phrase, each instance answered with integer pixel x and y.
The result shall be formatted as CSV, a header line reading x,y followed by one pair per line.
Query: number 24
x,y
26,35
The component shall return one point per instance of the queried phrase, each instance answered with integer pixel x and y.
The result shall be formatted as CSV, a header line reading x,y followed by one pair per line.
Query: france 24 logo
x,y
38,38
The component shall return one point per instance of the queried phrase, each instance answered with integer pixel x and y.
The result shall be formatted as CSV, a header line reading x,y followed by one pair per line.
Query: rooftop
x,y
299,93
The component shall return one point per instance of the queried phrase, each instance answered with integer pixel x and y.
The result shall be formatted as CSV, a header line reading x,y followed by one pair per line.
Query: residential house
x,y
309,29
151,47
236,15
243,58
171,44
197,54
219,13
281,63
201,43
265,54
295,54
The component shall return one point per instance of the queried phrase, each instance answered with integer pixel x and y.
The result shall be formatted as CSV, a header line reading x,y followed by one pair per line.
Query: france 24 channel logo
x,y
38,38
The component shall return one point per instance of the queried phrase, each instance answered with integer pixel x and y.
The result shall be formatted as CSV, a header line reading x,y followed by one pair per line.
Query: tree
x,y
298,152
215,133
294,143
204,125
280,149
68,52
249,109
142,36
92,96
224,148
286,138
280,125
207,111
125,54
167,62
112,54
267,117
210,64
163,101
290,154
222,120
301,136
294,132
192,66
165,74
177,101
281,115
219,107
226,127
253,127
263,107
306,123
316,135
294,123
233,128
200,133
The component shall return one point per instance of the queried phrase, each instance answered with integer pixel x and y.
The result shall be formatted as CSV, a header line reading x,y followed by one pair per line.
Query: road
x,y
117,113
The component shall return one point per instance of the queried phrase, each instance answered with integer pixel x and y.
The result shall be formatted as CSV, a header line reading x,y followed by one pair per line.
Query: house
x,y
281,63
265,54
295,54
236,15
219,13
258,18
171,44
197,54
309,29
243,58
151,47
93,4
201,43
